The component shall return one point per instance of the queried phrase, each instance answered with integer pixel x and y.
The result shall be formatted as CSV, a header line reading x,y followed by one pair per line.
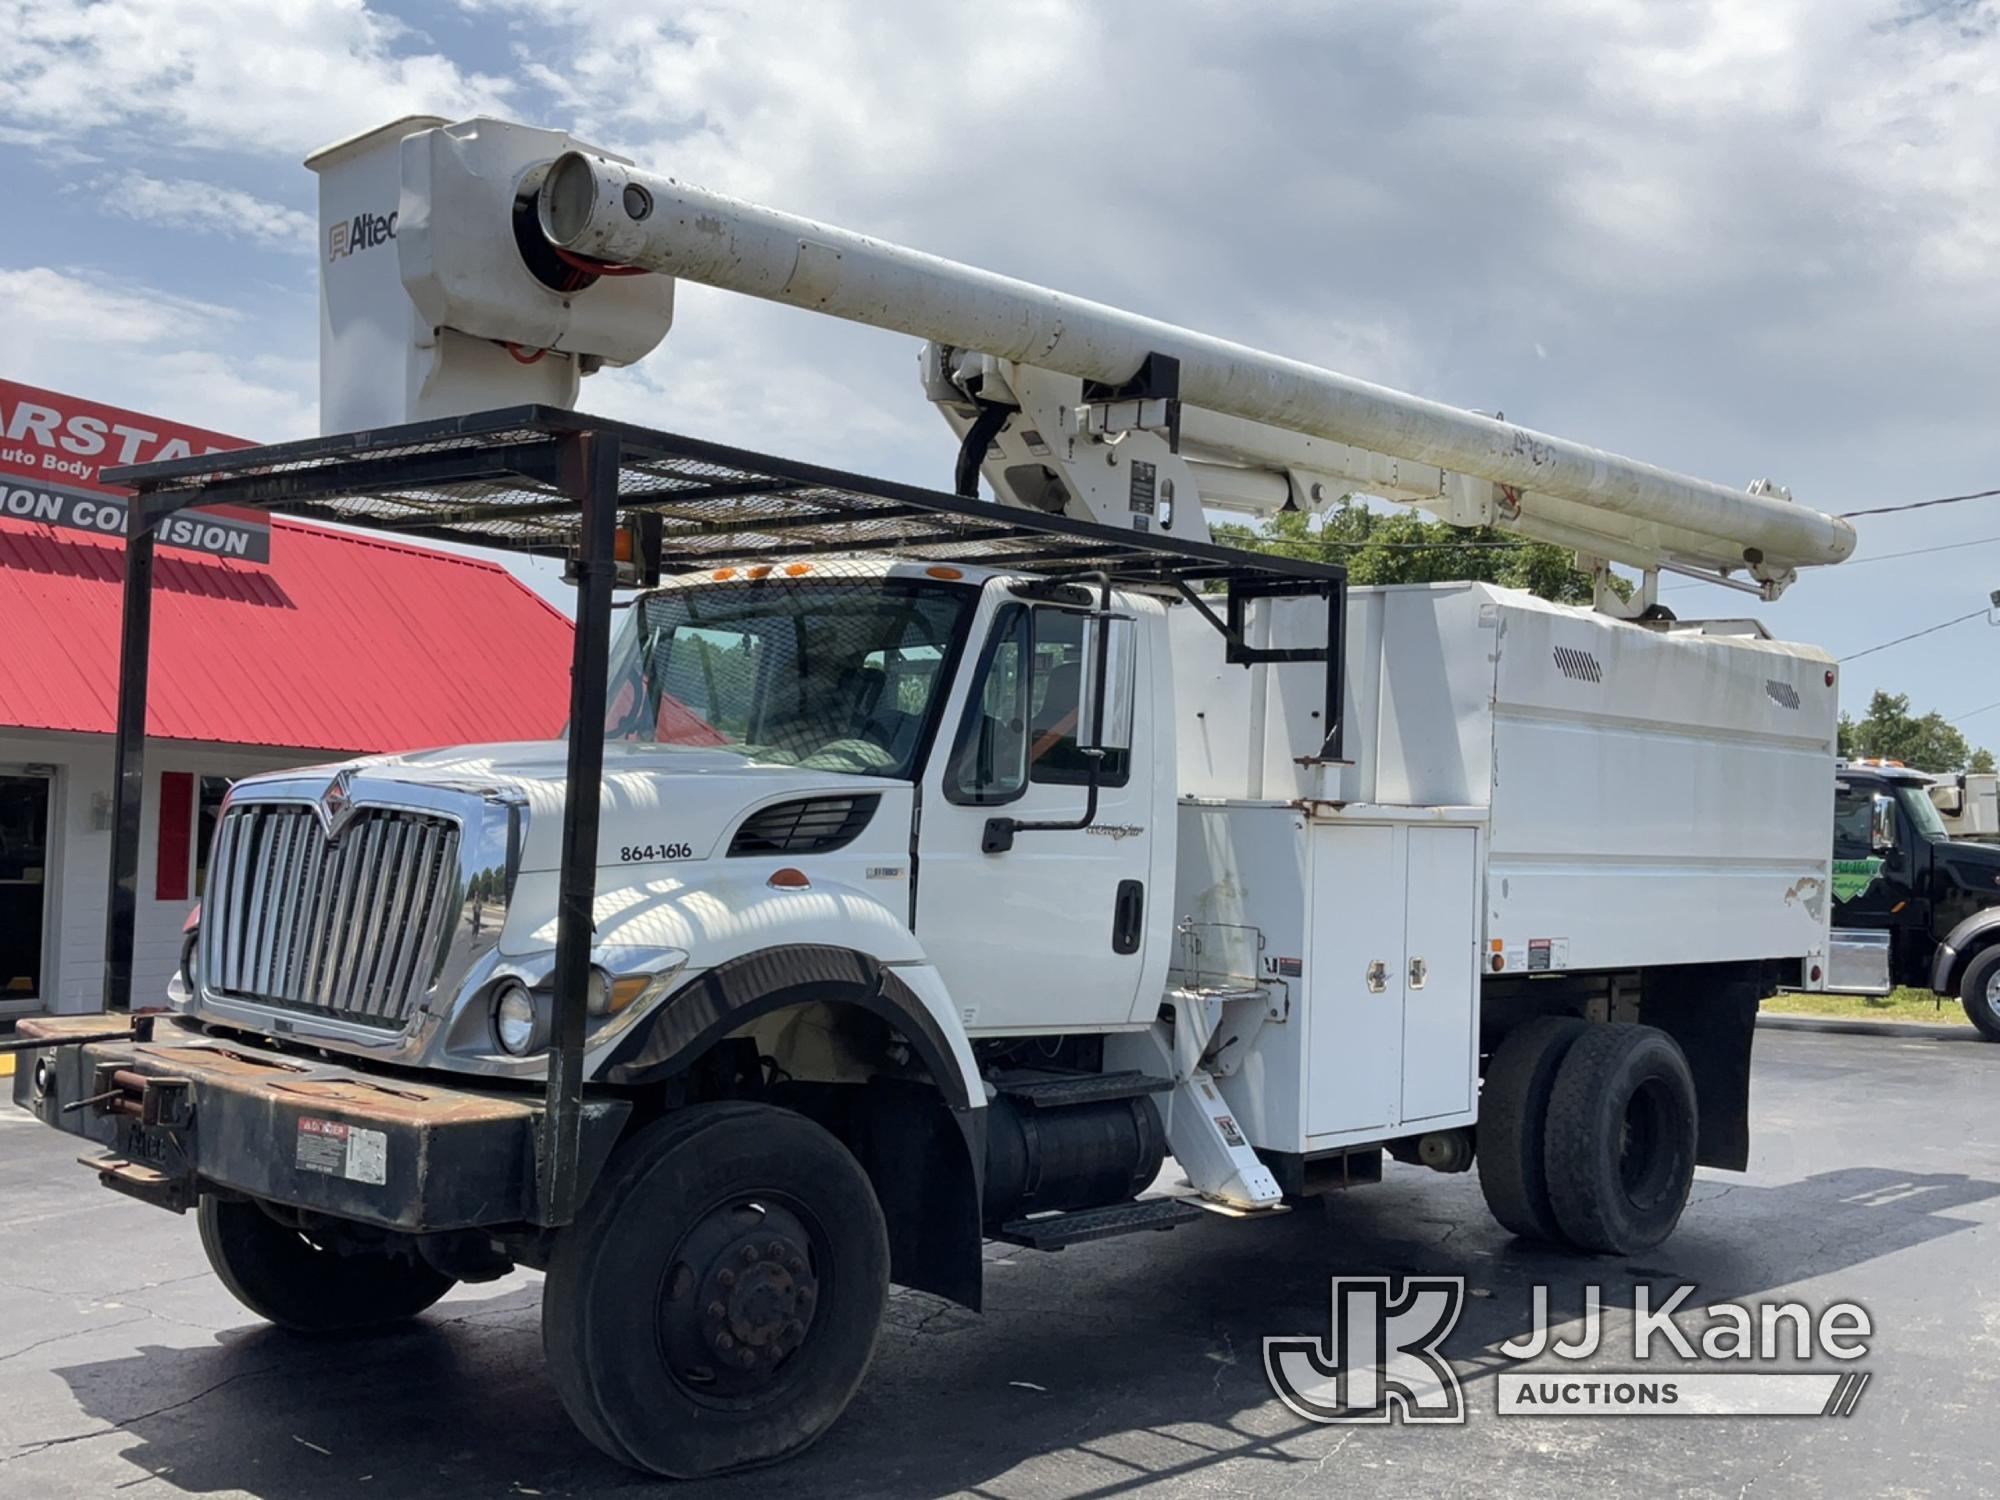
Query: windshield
x,y
835,674
1920,810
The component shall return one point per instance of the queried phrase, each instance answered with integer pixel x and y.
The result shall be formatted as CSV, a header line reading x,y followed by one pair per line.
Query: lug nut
x,y
746,1358
749,1255
725,1278
717,1311
724,1342
795,1266
805,1292
776,1250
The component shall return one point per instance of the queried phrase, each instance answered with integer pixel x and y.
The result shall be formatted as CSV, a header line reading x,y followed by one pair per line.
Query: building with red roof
x,y
339,644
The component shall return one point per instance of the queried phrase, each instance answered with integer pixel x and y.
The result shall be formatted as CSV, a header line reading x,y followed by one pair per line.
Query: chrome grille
x,y
350,927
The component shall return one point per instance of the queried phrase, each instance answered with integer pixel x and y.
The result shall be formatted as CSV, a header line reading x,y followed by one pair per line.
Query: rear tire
x,y
1513,1110
1979,992
715,1304
287,1279
1620,1148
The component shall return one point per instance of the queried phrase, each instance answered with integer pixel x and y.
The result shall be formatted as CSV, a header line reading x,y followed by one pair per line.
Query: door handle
x,y
1419,971
1127,912
1378,977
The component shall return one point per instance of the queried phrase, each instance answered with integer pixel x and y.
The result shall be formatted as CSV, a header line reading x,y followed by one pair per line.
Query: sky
x,y
1738,240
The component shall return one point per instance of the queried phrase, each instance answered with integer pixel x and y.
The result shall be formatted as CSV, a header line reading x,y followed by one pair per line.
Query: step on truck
x,y
921,869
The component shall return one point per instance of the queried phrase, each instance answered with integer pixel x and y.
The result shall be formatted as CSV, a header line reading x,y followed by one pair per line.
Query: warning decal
x,y
338,1150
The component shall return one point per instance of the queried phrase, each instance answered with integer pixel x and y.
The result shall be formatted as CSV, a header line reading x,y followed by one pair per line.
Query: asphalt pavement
x,y
1125,1366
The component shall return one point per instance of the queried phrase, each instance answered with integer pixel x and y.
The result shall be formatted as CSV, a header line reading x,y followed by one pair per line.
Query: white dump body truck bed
x,y
1651,794
1528,788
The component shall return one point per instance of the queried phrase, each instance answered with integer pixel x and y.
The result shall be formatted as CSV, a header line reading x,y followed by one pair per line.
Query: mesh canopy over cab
x,y
497,479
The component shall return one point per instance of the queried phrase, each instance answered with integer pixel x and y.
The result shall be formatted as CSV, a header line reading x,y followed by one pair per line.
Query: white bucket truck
x,y
942,864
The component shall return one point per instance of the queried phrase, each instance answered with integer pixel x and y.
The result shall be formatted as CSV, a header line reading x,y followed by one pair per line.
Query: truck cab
x,y
1912,905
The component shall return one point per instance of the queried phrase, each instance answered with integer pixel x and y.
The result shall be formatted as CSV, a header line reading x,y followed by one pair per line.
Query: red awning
x,y
340,643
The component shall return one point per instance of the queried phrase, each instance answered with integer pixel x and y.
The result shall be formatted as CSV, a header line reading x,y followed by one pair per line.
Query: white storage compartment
x,y
1392,991
1363,924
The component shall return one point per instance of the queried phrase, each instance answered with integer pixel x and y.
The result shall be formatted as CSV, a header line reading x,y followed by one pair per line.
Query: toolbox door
x,y
1440,980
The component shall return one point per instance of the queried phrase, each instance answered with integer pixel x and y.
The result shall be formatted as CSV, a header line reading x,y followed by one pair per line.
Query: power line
x,y
1884,510
1977,712
1933,630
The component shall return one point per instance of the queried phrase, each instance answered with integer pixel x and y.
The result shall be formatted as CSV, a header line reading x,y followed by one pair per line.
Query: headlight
x,y
517,1020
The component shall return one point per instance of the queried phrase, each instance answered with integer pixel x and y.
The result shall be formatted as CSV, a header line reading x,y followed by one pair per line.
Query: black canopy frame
x,y
555,483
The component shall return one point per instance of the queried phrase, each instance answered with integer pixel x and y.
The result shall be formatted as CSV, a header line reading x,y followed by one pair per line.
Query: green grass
x,y
1904,1004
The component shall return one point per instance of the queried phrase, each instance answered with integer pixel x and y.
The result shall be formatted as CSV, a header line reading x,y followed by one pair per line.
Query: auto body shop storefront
x,y
273,645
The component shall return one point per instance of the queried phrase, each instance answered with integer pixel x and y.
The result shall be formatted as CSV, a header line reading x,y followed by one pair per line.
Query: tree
x,y
1982,761
1406,548
1890,730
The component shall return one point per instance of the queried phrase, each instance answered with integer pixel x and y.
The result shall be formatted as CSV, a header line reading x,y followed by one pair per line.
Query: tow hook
x,y
154,1163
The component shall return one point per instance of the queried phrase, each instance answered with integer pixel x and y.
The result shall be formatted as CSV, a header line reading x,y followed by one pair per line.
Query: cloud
x,y
152,351
181,203
222,75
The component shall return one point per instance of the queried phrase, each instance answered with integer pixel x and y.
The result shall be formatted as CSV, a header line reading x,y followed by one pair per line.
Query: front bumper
x,y
181,1112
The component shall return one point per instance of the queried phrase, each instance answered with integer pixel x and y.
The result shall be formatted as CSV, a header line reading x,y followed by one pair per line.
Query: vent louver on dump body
x,y
1782,693
810,825
1580,665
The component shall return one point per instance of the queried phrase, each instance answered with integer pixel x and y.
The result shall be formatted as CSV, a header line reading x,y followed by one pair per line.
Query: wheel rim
x,y
1647,1145
738,1299
1993,993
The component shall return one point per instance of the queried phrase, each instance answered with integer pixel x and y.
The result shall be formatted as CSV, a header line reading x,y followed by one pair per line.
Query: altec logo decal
x,y
362,232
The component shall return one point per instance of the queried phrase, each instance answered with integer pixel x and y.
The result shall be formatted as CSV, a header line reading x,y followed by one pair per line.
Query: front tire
x,y
1621,1135
1979,992
715,1304
287,1279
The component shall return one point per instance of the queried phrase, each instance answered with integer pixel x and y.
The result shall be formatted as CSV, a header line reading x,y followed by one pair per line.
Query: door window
x,y
989,761
1053,754
1853,821
1020,726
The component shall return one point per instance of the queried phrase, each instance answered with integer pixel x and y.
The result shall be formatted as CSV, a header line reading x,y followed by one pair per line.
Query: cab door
x,y
1052,933
1871,885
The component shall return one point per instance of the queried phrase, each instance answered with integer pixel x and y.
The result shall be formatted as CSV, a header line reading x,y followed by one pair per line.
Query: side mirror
x,y
1882,826
1110,682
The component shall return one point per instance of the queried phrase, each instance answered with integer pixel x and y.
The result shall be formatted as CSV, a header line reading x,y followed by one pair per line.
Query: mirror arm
x,y
998,836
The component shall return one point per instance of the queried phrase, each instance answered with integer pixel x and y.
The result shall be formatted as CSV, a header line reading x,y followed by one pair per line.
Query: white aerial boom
x,y
1063,403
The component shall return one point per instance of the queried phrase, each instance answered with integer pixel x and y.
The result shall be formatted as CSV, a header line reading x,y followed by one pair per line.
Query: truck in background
x,y
1912,905
1969,804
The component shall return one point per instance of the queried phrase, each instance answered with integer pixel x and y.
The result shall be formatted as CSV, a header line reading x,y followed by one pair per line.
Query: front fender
x,y
929,1178
1971,934
912,999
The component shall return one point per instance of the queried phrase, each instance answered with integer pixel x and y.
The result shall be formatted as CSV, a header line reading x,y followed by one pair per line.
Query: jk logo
x,y
1380,1357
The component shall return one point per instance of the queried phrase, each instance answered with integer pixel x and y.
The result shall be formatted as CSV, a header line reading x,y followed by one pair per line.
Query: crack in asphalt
x,y
75,1333
125,1423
